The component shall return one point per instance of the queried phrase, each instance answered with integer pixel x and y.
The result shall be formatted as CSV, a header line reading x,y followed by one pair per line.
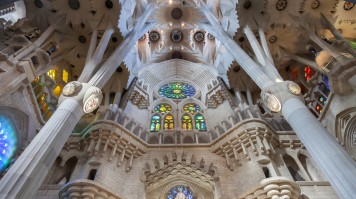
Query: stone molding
x,y
87,189
274,188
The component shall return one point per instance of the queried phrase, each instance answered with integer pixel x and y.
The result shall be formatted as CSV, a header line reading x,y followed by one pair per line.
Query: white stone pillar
x,y
240,56
331,158
109,67
26,175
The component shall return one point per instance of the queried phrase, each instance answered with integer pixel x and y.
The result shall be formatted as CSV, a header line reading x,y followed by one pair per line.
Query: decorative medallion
x,y
176,36
348,5
315,4
294,88
210,36
177,90
272,39
281,5
109,4
177,13
271,101
70,88
199,36
92,103
154,36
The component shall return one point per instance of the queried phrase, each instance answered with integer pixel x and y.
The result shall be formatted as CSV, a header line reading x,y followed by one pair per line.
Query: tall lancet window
x,y
168,122
7,142
200,123
187,123
155,123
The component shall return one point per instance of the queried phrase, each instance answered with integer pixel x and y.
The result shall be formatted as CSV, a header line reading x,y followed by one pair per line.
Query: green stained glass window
x,y
177,90
163,108
191,108
200,123
168,122
155,123
187,122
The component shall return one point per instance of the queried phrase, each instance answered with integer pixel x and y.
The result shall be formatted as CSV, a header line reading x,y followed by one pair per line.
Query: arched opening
x,y
180,192
67,171
92,174
293,168
309,167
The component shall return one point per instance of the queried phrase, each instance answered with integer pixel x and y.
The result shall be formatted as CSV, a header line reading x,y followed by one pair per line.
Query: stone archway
x,y
160,182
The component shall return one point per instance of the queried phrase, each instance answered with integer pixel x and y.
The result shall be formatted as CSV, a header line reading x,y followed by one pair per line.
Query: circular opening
x,y
210,36
109,4
38,3
199,36
119,69
176,13
176,90
177,55
176,36
154,36
114,39
247,4
82,39
241,39
74,4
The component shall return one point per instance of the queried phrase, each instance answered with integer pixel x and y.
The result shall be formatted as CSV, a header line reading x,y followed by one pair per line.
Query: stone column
x,y
26,175
335,163
330,157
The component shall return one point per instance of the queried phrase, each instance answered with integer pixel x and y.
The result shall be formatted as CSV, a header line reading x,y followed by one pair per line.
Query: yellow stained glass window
x,y
65,76
187,123
52,74
57,91
168,122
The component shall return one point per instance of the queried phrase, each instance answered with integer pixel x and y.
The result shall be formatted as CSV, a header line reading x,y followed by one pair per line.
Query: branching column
x,y
335,163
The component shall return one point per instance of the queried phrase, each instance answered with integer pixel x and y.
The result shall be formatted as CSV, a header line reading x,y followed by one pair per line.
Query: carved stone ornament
x,y
348,5
70,88
154,36
199,36
272,39
271,101
315,4
210,36
281,5
294,88
176,36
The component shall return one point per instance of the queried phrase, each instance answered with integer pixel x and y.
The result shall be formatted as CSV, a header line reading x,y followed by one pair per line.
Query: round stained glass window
x,y
179,191
177,90
7,142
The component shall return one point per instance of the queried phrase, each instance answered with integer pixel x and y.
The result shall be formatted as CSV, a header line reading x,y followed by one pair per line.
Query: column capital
x,y
89,97
274,96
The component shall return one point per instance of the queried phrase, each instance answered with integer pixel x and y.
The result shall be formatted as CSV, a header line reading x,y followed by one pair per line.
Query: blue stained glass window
x,y
177,90
200,123
155,123
7,142
180,188
326,81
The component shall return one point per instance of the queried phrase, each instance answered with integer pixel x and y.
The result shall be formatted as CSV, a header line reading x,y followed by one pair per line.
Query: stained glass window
x,y
65,76
200,123
52,74
326,81
177,90
168,122
191,108
187,122
163,108
180,190
7,142
319,108
308,72
155,123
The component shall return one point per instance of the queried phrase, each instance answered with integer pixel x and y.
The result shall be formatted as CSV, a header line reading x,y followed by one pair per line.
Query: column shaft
x,y
331,158
26,175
